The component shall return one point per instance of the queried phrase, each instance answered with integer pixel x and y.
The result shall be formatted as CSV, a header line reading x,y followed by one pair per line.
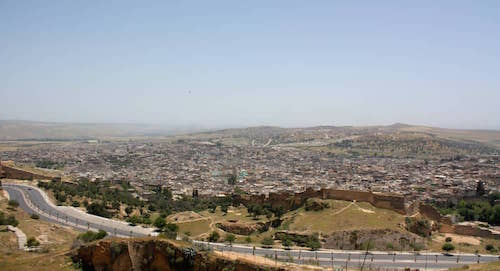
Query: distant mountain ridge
x,y
27,130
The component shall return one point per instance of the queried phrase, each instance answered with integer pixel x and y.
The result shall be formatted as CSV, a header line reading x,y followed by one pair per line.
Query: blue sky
x,y
246,63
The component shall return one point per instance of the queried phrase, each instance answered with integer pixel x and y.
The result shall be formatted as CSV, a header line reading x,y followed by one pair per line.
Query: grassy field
x,y
55,241
196,227
344,215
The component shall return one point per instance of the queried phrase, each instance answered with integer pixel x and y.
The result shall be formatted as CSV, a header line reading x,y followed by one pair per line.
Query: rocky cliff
x,y
155,254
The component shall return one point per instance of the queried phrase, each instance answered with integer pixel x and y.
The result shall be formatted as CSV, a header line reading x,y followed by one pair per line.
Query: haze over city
x,y
233,64
257,135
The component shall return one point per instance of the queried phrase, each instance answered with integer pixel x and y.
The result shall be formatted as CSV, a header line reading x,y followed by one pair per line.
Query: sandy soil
x,y
460,239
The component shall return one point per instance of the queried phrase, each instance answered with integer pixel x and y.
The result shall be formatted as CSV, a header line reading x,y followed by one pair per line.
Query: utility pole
x,y
366,254
332,260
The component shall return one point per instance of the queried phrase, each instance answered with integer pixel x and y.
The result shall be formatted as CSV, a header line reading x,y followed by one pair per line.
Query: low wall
x,y
469,230
290,201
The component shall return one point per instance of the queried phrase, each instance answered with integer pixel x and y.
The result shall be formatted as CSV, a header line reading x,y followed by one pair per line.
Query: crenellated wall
x,y
290,201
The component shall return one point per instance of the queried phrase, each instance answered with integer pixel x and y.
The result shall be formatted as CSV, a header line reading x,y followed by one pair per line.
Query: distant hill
x,y
28,130
378,136
397,140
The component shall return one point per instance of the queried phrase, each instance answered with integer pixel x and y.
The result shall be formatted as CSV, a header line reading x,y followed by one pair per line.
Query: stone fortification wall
x,y
290,201
429,212
16,173
469,229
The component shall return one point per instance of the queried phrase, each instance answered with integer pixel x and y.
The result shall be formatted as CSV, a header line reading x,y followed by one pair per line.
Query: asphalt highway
x,y
33,200
356,259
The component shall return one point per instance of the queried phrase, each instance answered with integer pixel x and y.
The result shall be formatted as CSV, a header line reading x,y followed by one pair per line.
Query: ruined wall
x,y
290,201
2,172
473,230
428,211
15,173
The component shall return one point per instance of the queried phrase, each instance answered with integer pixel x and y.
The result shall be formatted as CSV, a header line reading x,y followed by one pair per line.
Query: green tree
x,y
313,243
129,210
224,209
98,209
287,243
159,223
230,238
13,203
134,220
231,179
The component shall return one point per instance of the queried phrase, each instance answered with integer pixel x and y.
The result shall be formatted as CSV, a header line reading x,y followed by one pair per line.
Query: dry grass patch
x,y
345,216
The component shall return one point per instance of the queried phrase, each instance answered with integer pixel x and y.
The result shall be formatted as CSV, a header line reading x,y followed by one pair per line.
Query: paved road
x,y
33,200
355,259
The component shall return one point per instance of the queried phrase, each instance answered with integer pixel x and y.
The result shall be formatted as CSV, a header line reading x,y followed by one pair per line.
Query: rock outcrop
x,y
243,228
154,254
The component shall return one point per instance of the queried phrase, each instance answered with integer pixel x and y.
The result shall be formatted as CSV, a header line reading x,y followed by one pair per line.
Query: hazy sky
x,y
239,63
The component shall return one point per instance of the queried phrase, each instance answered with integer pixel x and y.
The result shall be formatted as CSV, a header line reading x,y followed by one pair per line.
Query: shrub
x,y
10,220
448,247
286,243
170,230
134,220
13,203
230,238
489,247
35,216
214,237
75,203
98,209
248,239
267,242
90,236
313,243
448,239
32,242
115,249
